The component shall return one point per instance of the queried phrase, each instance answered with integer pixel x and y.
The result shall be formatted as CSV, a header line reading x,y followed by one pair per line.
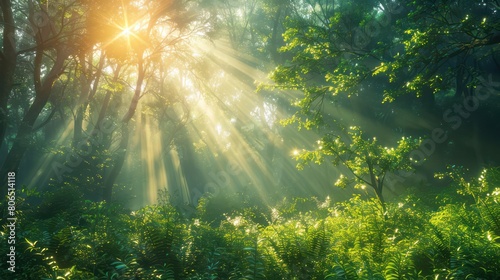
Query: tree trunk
x,y
24,133
87,92
380,197
122,149
107,192
377,185
23,139
105,103
82,102
274,45
8,57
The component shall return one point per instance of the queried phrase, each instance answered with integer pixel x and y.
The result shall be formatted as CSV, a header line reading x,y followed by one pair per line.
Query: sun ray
x,y
237,127
50,161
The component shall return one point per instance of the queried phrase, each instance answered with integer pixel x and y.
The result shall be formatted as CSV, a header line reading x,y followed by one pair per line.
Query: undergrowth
x,y
67,238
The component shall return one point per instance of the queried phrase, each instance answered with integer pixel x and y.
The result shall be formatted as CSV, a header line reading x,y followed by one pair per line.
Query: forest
x,y
250,139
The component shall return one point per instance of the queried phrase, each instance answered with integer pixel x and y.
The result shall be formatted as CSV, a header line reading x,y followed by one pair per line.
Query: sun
x,y
126,32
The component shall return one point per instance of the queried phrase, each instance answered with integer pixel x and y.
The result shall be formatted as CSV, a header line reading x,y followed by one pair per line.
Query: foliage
x,y
367,161
301,239
366,63
88,88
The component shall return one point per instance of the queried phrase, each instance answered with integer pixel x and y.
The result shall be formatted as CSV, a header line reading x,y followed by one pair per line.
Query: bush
x,y
299,239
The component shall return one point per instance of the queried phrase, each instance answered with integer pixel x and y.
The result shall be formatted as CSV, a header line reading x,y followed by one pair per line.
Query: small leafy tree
x,y
367,161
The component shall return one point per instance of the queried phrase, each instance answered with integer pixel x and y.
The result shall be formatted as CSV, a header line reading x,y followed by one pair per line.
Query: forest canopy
x,y
367,124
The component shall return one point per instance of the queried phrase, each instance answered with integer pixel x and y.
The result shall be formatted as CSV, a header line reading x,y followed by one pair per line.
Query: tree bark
x,y
43,90
274,45
88,89
105,103
82,102
107,192
8,60
122,149
377,185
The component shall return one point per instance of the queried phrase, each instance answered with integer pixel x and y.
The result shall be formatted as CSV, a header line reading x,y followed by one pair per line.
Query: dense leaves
x,y
103,103
302,239
367,161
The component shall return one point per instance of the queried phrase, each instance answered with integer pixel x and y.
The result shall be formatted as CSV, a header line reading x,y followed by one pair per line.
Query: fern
x,y
443,252
318,242
400,267
60,246
491,216
255,265
345,271
165,272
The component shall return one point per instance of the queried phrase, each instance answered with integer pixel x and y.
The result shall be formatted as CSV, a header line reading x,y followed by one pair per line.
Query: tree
x,y
386,62
444,53
8,58
53,44
443,45
366,160
83,42
162,28
335,49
